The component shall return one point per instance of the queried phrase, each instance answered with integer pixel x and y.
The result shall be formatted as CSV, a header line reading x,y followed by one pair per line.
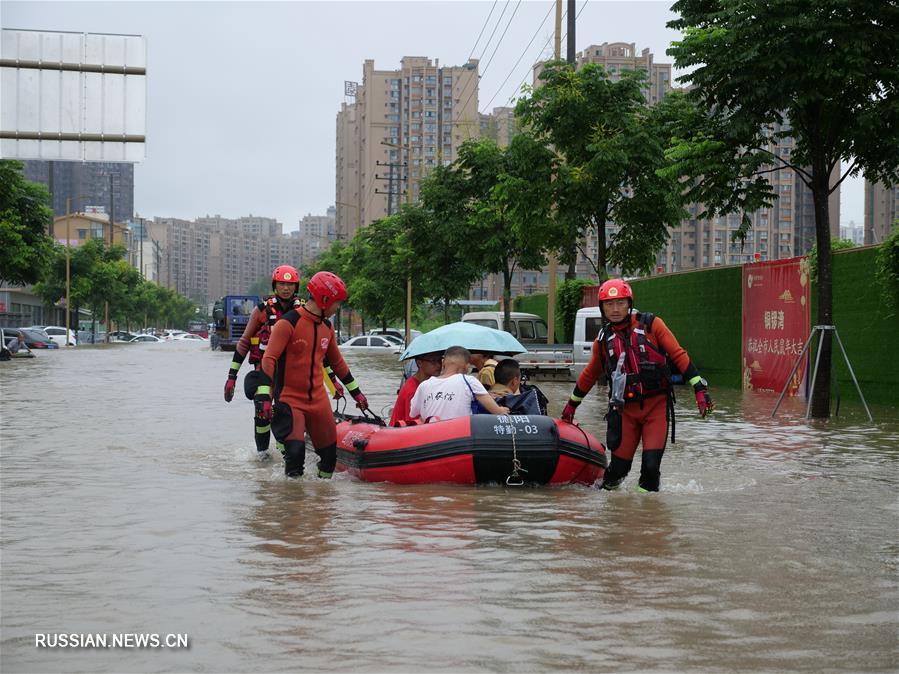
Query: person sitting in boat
x,y
453,393
428,366
485,366
507,389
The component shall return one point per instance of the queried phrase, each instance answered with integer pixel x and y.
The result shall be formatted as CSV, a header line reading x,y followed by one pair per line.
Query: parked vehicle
x,y
121,336
231,314
200,328
57,334
188,337
547,361
527,328
152,339
35,338
370,343
396,332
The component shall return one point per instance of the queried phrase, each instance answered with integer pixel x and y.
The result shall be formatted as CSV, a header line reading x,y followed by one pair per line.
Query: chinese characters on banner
x,y
775,323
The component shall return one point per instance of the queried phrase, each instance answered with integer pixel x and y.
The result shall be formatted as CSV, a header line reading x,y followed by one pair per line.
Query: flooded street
x,y
133,502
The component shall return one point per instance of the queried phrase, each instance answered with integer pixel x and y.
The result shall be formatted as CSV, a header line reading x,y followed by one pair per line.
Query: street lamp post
x,y
408,201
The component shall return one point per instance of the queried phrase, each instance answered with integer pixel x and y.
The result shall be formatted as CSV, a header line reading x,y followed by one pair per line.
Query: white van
x,y
527,328
587,325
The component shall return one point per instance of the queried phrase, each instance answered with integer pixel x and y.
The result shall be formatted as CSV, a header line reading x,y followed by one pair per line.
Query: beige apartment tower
x,y
402,124
881,211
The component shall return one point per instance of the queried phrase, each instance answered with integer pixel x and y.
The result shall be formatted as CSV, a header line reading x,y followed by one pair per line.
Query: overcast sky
x,y
242,96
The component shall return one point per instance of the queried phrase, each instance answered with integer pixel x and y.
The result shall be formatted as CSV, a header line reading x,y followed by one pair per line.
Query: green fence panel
x,y
537,304
867,330
703,310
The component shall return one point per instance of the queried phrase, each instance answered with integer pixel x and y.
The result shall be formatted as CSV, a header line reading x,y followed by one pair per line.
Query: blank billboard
x,y
72,96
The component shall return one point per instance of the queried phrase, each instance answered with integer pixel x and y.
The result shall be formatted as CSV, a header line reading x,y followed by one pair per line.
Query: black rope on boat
x,y
515,480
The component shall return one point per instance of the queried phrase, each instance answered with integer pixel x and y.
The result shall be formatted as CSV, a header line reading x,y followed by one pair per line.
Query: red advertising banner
x,y
776,321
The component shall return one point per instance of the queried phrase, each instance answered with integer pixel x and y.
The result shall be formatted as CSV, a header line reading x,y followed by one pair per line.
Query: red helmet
x,y
326,289
615,288
285,274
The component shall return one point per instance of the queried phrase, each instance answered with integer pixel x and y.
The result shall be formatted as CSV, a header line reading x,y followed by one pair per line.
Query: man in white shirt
x,y
451,394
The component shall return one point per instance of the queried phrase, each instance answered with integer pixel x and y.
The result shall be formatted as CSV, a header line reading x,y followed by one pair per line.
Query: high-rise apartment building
x,y
500,125
881,210
402,124
619,57
107,185
214,256
317,233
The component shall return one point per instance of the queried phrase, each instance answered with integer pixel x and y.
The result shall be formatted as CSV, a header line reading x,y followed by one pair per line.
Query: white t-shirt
x,y
445,398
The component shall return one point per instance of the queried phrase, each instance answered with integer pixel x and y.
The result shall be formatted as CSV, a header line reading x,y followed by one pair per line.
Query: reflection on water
x,y
132,501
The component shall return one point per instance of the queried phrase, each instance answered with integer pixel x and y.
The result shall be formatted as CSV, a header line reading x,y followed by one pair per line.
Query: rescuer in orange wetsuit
x,y
292,364
633,351
254,340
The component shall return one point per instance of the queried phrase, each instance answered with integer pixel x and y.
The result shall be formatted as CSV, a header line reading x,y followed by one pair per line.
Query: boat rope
x,y
515,480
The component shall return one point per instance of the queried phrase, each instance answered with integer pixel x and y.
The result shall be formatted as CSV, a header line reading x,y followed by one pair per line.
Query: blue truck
x,y
231,314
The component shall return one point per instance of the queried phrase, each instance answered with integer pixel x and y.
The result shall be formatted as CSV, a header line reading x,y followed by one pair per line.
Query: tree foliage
x,y
887,270
25,214
611,143
822,72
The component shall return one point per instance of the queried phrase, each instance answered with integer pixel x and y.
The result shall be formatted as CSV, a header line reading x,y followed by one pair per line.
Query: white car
x,y
146,338
370,344
58,334
188,337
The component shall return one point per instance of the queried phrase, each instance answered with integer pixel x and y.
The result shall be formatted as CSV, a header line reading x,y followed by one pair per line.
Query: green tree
x,y
508,193
612,144
440,238
822,72
25,213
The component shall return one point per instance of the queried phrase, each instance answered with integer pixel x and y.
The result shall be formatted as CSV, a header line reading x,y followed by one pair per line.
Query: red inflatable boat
x,y
477,449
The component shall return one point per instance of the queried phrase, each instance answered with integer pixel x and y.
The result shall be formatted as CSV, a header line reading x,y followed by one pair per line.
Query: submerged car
x,y
34,338
370,343
153,339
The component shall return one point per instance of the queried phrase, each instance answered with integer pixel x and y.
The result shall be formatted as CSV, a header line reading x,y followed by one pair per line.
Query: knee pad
x,y
294,457
616,472
650,469
328,456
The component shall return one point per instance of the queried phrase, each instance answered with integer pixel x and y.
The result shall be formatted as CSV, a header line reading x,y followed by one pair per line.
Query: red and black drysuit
x,y
648,407
300,343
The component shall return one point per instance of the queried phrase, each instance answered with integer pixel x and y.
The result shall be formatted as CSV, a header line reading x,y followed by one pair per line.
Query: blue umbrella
x,y
470,335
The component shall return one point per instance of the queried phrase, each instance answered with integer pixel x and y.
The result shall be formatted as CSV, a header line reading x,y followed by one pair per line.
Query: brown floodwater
x,y
133,502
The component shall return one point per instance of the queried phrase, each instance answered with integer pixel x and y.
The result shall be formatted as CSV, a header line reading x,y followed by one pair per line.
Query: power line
x,y
518,88
482,73
549,11
457,110
482,29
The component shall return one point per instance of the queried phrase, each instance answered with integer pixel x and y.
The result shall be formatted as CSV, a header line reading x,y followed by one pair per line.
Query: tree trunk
x,y
507,298
446,305
820,186
601,249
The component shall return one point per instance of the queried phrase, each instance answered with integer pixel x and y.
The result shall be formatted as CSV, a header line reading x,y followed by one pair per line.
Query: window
x,y
378,341
541,330
485,322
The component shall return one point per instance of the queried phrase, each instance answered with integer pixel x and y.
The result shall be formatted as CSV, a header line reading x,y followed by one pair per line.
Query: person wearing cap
x,y
635,351
293,374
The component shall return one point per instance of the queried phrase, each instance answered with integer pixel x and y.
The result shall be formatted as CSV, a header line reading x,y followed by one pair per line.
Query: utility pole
x,y
551,286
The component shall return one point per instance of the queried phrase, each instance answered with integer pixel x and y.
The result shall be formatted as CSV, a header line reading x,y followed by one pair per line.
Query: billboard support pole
x,y
815,329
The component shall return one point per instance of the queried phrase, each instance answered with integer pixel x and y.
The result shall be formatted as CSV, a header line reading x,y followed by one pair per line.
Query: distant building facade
x,y
881,210
500,125
84,184
402,124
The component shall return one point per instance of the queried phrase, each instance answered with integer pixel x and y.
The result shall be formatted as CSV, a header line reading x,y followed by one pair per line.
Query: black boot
x,y
294,457
650,469
262,438
328,461
615,473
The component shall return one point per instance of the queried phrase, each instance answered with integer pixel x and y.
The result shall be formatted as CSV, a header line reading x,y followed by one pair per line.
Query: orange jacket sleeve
x,y
591,373
276,344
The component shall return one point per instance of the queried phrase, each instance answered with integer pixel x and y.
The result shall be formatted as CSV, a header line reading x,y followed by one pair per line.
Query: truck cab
x,y
527,328
231,315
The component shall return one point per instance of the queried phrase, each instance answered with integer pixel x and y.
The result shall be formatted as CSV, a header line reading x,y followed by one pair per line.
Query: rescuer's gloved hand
x,y
229,387
338,388
703,398
361,400
568,412
263,404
